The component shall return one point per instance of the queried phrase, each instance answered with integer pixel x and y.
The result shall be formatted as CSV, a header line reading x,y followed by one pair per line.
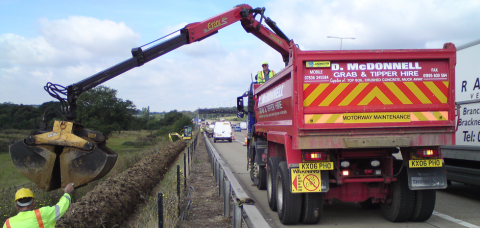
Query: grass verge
x,y
11,180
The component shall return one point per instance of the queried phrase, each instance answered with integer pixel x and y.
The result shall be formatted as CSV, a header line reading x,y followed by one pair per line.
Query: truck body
x,y
359,126
462,160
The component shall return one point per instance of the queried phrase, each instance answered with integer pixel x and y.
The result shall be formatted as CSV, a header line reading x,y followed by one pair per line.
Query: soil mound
x,y
111,202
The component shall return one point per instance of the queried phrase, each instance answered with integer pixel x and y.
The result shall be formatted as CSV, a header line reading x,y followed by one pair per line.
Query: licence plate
x,y
425,163
316,166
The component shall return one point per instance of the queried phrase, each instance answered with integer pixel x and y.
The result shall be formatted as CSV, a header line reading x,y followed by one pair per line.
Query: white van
x,y
222,131
243,125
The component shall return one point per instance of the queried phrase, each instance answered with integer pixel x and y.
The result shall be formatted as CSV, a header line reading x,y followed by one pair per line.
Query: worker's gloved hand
x,y
69,188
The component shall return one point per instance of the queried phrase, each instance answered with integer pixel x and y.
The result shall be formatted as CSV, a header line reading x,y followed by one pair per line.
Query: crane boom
x,y
72,153
190,33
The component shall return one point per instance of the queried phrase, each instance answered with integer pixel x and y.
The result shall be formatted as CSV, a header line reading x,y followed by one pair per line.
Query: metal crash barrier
x,y
232,191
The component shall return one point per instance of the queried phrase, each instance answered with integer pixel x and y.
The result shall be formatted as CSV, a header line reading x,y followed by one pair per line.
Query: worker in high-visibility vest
x,y
44,217
265,74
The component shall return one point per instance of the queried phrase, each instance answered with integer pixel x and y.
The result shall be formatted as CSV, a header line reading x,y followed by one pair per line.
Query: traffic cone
x,y
233,137
245,141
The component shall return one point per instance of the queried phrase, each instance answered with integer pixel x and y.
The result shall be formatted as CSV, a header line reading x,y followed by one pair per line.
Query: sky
x,y
64,42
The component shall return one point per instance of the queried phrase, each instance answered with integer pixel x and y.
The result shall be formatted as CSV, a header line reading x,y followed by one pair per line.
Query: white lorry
x,y
462,161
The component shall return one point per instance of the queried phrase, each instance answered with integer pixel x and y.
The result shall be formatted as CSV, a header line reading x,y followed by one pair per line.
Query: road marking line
x,y
458,221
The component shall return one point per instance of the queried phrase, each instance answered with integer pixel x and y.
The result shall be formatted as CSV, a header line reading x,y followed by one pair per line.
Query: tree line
x,y
97,109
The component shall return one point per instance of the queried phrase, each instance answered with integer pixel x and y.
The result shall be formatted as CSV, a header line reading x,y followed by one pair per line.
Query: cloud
x,y
214,71
377,24
88,37
65,52
67,42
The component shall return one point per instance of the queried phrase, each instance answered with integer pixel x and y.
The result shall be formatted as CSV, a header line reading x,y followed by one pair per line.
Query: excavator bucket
x,y
68,154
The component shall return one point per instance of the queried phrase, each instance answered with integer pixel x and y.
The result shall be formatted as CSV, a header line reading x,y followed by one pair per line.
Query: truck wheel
x,y
250,156
251,169
260,179
424,205
272,181
398,206
312,207
289,205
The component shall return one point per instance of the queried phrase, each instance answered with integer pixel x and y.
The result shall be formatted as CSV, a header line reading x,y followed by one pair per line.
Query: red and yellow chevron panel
x,y
384,93
376,117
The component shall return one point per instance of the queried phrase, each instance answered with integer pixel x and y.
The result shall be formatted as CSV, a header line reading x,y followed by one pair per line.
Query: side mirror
x,y
240,104
240,115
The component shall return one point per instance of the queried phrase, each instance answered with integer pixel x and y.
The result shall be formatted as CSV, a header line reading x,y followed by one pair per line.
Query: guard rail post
x,y
212,162
160,210
237,216
220,183
178,188
226,199
217,171
185,167
189,161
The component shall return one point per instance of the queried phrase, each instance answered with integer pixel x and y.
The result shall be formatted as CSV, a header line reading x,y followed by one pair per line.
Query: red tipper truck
x,y
359,126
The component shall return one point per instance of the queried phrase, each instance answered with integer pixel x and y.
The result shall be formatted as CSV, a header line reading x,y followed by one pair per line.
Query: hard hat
x,y
23,193
265,63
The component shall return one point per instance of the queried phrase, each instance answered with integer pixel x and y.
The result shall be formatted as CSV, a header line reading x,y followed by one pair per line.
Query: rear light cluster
x,y
315,156
375,172
428,153
358,168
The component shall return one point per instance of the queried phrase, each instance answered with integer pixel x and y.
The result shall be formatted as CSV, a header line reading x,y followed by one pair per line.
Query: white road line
x,y
452,219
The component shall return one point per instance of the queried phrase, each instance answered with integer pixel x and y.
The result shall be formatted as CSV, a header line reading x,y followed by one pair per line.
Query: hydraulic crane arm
x,y
190,33
72,153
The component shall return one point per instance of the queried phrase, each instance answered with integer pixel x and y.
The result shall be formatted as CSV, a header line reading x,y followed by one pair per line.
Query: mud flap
x,y
427,178
325,181
261,152
304,181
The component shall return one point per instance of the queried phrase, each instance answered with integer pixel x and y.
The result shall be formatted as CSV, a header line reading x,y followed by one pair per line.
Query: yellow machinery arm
x,y
174,133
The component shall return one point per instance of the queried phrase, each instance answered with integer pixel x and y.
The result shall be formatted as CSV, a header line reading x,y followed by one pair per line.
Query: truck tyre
x,y
312,207
424,205
272,181
260,179
250,169
250,156
398,206
289,205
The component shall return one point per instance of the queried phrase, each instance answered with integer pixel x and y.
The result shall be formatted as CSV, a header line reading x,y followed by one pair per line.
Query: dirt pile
x,y
113,200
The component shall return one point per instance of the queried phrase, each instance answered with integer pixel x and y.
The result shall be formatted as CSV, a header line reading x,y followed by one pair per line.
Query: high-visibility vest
x,y
45,217
261,76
